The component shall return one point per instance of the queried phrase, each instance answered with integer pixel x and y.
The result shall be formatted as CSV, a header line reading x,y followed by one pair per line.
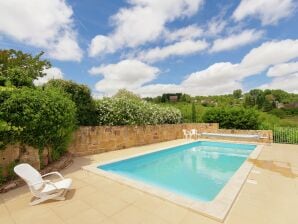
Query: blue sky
x,y
152,46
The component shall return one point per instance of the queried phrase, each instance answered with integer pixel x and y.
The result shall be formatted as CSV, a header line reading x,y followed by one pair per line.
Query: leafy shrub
x,y
290,111
125,111
278,112
81,96
8,133
238,118
288,116
268,121
45,117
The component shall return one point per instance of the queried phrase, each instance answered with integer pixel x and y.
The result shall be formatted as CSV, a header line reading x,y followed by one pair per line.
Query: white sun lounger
x,y
43,189
231,135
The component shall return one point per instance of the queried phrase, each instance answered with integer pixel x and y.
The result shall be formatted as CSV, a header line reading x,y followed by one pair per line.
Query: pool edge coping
x,y
217,209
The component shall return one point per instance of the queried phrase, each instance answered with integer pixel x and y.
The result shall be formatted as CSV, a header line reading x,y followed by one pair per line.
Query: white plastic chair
x,y
186,134
193,132
42,189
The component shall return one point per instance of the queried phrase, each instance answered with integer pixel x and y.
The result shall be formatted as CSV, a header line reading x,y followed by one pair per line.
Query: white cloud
x,y
215,26
66,48
284,76
185,33
224,77
128,74
288,83
179,48
47,24
283,69
236,40
217,74
217,77
270,53
51,73
101,44
142,22
268,11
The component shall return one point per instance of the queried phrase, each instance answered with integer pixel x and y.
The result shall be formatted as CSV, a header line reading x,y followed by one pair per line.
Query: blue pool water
x,y
197,170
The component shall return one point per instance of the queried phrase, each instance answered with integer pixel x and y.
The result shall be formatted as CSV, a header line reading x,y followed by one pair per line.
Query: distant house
x,y
173,98
287,105
291,105
279,105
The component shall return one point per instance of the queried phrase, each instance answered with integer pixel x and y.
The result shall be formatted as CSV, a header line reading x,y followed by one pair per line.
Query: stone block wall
x,y
98,139
21,154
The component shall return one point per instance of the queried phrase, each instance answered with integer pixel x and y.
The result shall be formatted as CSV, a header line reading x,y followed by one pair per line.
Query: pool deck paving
x,y
269,196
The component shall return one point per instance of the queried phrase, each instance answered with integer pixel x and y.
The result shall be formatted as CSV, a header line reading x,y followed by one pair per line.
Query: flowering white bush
x,y
126,111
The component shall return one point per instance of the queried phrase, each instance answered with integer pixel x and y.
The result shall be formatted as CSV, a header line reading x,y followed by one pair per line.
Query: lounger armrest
x,y
38,183
54,173
43,183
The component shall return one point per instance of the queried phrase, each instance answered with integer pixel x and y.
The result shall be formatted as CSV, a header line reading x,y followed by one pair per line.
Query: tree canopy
x,y
20,69
80,95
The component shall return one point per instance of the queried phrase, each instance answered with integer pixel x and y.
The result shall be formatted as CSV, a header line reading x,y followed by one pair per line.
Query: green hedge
x,y
125,111
38,118
236,118
80,95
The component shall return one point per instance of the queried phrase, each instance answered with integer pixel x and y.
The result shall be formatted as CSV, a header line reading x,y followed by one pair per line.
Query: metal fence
x,y
287,135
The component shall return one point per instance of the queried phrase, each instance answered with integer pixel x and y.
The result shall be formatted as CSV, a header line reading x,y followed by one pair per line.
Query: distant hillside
x,y
276,107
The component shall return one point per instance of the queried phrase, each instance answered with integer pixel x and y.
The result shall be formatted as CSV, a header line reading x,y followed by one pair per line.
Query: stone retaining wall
x,y
63,162
98,139
22,154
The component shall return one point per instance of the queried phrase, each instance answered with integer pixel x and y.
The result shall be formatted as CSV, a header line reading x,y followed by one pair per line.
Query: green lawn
x,y
291,121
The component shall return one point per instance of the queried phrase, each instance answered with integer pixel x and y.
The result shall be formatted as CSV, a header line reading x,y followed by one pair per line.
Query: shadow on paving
x,y
278,167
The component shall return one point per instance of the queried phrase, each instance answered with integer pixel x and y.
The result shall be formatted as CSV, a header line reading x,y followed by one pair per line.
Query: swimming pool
x,y
197,170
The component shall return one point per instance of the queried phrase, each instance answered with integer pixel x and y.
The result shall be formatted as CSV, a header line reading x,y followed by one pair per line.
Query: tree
x,y
267,92
193,113
20,69
267,105
185,98
123,93
237,93
255,97
164,98
280,95
157,99
80,95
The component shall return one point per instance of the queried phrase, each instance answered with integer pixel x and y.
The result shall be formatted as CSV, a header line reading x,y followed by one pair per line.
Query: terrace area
x,y
270,195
